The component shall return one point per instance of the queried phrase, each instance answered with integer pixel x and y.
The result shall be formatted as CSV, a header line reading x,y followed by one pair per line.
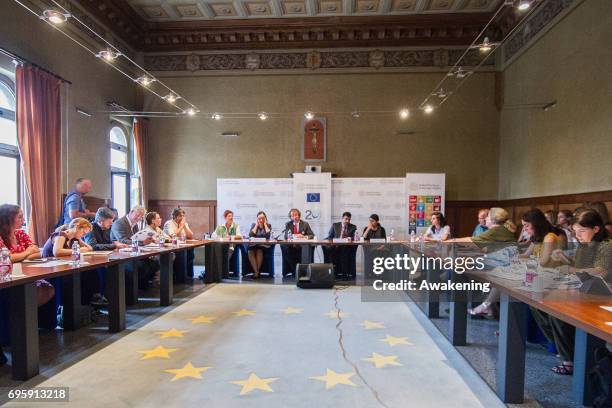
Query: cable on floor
x,y
337,289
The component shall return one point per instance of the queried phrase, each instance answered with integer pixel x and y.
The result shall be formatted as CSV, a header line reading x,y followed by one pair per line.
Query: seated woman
x,y
60,242
260,229
154,222
438,231
374,229
229,229
21,248
593,256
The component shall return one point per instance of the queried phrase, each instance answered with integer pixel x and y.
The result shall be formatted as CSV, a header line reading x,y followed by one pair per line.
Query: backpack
x,y
600,378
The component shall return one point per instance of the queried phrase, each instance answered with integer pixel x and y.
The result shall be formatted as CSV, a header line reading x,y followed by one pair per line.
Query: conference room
x,y
302,203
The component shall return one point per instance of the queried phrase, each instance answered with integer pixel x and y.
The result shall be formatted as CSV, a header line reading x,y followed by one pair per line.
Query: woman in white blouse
x,y
438,231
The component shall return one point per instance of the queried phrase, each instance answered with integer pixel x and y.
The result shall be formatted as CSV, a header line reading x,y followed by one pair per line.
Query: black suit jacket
x,y
303,228
336,230
99,239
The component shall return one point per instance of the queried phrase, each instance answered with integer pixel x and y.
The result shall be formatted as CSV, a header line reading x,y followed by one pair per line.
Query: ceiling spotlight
x,y
486,46
428,109
404,113
262,115
145,80
309,115
108,55
523,5
55,17
216,116
441,93
459,73
356,114
171,98
190,112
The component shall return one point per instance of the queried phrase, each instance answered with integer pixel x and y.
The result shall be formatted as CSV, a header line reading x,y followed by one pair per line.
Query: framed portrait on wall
x,y
314,139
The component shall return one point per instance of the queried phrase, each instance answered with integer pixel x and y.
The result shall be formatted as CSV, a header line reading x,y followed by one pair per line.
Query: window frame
x,y
7,150
127,176
121,148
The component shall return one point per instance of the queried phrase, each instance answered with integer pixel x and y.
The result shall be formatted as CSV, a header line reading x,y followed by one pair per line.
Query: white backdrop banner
x,y
246,197
372,195
425,194
313,196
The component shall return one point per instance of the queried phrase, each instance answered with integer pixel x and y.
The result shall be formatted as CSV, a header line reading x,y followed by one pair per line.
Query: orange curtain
x,y
39,139
141,133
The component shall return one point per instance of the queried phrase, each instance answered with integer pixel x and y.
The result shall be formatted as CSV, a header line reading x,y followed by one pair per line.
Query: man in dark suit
x,y
122,231
292,254
342,256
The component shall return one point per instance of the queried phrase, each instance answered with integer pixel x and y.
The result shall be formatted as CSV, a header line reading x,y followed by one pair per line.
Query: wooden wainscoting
x,y
201,214
462,215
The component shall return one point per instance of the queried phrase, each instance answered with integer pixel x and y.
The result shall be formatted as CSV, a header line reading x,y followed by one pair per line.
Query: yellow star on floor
x,y
334,314
394,341
368,325
380,361
244,312
292,310
203,319
172,333
255,383
158,351
187,371
333,378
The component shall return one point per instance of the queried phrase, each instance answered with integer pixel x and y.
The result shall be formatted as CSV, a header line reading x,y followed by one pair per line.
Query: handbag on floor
x,y
600,378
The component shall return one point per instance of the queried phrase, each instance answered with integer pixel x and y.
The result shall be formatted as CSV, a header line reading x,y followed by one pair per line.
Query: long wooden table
x,y
574,307
24,309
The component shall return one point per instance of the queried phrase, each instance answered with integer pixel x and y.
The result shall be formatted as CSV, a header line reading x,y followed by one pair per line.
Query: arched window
x,y
10,166
120,174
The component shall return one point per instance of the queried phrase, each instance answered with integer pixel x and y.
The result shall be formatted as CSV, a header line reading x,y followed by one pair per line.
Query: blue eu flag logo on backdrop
x,y
313,197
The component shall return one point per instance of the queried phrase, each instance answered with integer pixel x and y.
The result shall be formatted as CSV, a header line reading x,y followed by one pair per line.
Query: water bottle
x,y
356,236
289,236
412,236
182,237
6,266
161,241
76,253
174,241
135,247
392,235
422,242
531,272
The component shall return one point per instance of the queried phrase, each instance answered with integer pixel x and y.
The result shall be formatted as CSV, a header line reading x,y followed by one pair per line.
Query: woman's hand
x,y
559,256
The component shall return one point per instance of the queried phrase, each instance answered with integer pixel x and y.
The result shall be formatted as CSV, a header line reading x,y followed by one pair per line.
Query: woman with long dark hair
x,y
438,230
593,256
544,238
20,247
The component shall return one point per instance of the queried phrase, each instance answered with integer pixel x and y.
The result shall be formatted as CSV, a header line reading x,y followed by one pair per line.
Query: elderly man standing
x,y
122,231
74,205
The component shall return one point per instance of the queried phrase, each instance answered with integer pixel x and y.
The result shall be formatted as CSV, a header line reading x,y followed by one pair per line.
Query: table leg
x,y
458,313
181,257
132,288
75,315
24,331
511,351
115,291
306,254
166,287
584,359
432,305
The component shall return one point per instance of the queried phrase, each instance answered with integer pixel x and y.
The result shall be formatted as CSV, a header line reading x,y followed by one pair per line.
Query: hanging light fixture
x,y
309,115
55,17
262,115
356,114
486,45
216,116
145,80
171,98
428,109
108,55
404,113
190,112
523,5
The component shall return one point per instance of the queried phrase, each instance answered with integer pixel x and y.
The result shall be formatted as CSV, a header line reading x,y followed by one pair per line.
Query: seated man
x,y
99,239
178,227
122,231
342,256
292,254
